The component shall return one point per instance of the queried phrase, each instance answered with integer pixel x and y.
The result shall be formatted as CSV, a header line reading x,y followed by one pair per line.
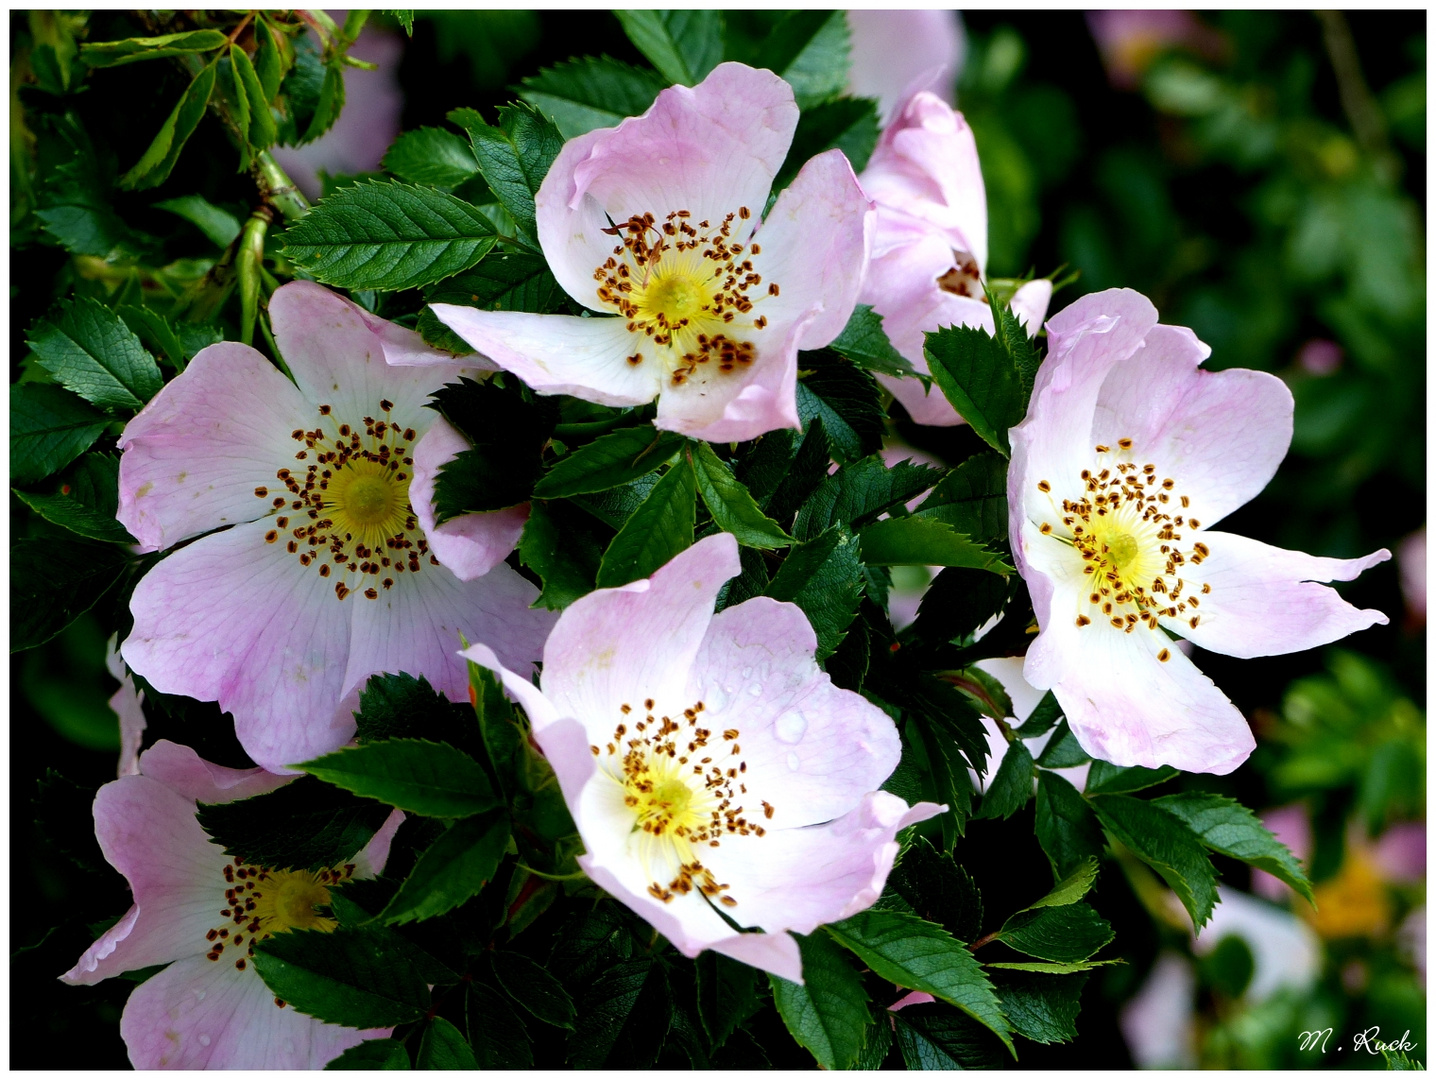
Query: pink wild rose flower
x,y
656,223
710,765
930,250
1128,456
331,569
200,911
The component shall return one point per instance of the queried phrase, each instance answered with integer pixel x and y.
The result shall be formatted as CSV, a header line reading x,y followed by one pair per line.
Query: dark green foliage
x,y
958,601
404,707
608,461
973,497
1106,779
1065,933
1011,785
846,124
623,1018
1062,750
496,1031
865,343
683,45
443,1047
455,867
847,401
513,157
433,156
84,500
88,349
508,428
1228,828
564,546
658,529
52,581
373,1054
1066,827
733,509
727,995
828,1013
980,380
590,93
860,492
416,775
1042,1008
533,987
1166,843
939,890
937,1036
351,977
303,825
824,578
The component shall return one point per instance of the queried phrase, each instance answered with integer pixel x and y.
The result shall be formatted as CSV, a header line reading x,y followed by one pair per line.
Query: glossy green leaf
x,y
729,502
610,460
809,50
1011,785
529,984
356,978
938,1037
49,428
684,45
1228,828
1043,717
415,775
388,235
859,492
1042,1008
496,1032
1166,843
84,501
372,1054
259,129
513,157
1107,779
431,155
1063,750
592,92
623,1018
103,54
1071,888
919,541
847,401
159,158
444,1047
89,349
454,868
973,497
828,1012
865,343
1068,933
979,379
1066,828
564,546
846,124
659,529
53,581
824,578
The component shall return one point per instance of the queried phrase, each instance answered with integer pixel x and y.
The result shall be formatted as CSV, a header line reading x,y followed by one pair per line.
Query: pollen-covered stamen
x,y
1128,525
964,278
347,511
686,289
684,786
260,902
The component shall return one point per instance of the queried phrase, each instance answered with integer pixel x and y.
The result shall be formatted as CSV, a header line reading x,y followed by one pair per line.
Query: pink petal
x,y
416,627
370,861
560,354
337,353
710,150
198,1014
182,770
150,835
128,705
540,710
1266,601
1127,707
925,164
813,750
897,53
194,455
776,953
797,879
619,646
815,243
1030,304
739,405
470,545
235,620
1219,434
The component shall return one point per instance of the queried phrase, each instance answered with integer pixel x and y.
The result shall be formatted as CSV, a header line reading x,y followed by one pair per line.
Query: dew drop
x,y
204,1040
791,726
793,763
747,673
755,690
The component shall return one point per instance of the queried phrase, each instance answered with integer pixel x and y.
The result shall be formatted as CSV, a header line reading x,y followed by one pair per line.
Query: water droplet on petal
x,y
204,1040
793,763
755,690
790,726
747,673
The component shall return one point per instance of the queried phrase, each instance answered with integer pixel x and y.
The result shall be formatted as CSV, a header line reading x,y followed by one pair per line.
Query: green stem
x,y
250,261
578,875
277,189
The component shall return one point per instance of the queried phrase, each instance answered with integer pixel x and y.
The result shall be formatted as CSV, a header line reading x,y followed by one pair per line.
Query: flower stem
x,y
276,187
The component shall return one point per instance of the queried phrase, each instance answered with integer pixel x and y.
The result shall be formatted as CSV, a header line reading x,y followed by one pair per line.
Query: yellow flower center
x,y
260,902
687,292
1128,525
685,795
344,507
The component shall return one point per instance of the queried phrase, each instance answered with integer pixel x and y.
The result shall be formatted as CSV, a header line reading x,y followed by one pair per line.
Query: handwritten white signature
x,y
1364,1040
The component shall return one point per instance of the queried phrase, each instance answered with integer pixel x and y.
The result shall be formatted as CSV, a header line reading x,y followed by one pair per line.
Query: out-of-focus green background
x,y
1260,176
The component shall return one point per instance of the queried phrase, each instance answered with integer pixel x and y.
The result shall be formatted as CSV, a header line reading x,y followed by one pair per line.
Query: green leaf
x,y
809,49
593,92
828,1013
454,868
418,776
261,128
610,460
103,54
624,1018
373,1054
947,769
958,601
504,281
402,706
727,995
267,64
920,541
1164,842
923,956
1063,751
508,429
513,158
1067,934
356,978
847,124
219,226
155,163
304,825
801,475
684,45
729,502
846,399
945,708
1040,721
1042,1008
301,90
388,235
824,578
932,1036
404,18
564,547
49,428
1071,888
86,502
1011,786
1012,336
865,343
91,351
496,1032
973,497
659,529
330,102
1228,828
430,155
938,889
979,379
1066,828
1043,968
859,492
533,988
443,1047
616,505
1107,779
54,581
